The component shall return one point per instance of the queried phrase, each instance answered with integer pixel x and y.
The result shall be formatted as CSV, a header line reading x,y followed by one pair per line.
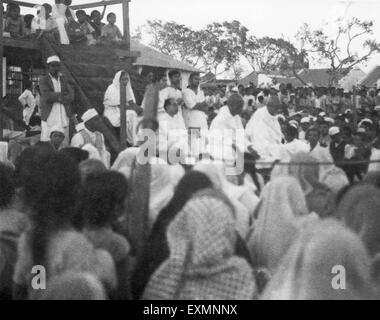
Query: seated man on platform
x,y
89,135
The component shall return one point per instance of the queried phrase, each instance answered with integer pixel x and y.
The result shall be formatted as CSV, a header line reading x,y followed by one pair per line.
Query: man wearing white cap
x,y
56,97
89,135
304,126
57,135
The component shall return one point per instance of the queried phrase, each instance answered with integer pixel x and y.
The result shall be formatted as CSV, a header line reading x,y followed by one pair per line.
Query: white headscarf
x,y
125,161
282,204
93,153
112,94
215,172
164,179
306,273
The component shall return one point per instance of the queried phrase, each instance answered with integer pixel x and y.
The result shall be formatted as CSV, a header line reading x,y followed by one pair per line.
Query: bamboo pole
x,y
96,4
1,69
137,220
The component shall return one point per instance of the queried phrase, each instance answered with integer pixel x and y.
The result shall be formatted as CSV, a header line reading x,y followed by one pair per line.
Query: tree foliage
x,y
339,51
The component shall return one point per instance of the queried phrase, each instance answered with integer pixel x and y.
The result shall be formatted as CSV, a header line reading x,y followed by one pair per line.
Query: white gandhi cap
x,y
333,131
53,59
89,114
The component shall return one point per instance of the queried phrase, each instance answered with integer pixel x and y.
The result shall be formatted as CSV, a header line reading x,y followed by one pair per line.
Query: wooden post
x,y
355,111
1,69
127,36
123,115
138,209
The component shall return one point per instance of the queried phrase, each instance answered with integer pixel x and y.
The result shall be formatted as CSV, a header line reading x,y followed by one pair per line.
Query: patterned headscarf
x,y
202,263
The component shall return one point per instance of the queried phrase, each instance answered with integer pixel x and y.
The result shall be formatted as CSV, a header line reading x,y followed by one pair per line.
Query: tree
x,y
339,51
176,40
275,55
215,48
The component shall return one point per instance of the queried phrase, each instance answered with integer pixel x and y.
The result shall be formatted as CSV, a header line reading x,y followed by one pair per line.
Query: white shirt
x,y
263,131
167,93
171,130
29,103
57,116
296,146
226,130
194,118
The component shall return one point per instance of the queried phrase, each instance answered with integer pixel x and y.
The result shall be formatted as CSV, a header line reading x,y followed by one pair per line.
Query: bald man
x,y
263,131
226,128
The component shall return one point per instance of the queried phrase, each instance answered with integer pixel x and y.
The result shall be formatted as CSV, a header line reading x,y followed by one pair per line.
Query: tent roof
x,y
371,78
153,58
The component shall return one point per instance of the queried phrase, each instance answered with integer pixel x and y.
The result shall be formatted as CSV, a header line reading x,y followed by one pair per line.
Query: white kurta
x,y
29,103
295,146
57,117
78,142
263,131
194,118
167,93
226,130
172,131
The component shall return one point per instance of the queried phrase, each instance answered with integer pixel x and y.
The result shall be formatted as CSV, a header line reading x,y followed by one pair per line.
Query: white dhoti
x,y
57,117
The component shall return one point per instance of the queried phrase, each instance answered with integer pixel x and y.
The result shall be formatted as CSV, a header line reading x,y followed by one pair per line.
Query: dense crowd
x,y
275,232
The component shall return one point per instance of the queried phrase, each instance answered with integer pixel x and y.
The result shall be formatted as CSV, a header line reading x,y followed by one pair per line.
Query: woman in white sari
x,y
112,106
281,214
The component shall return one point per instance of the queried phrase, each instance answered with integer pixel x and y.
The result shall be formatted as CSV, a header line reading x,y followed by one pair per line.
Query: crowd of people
x,y
61,24
305,203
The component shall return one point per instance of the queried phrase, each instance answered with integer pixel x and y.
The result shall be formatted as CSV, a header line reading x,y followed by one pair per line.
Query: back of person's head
x,y
190,183
102,197
372,177
75,154
90,166
359,210
25,160
50,186
7,186
74,286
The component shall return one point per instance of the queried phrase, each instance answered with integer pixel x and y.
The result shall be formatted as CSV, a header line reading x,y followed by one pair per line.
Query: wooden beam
x,y
127,34
138,208
97,4
1,70
21,3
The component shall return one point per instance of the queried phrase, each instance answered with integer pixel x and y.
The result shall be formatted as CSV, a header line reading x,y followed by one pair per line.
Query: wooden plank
x,y
127,35
23,44
97,4
138,210
21,3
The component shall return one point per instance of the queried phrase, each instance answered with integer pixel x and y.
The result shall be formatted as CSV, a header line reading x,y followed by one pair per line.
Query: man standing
x,y
89,135
263,130
56,97
195,114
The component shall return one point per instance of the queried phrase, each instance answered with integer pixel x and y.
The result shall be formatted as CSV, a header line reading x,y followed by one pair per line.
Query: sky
x,y
274,18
